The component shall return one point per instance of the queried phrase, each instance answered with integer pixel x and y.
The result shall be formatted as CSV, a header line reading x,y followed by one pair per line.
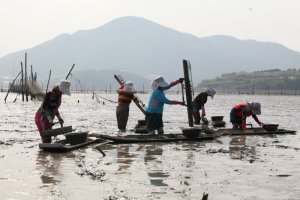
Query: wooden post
x,y
31,80
22,81
31,74
188,92
11,86
26,86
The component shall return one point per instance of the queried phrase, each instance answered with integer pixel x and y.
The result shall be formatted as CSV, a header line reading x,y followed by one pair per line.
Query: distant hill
x,y
145,48
267,81
104,80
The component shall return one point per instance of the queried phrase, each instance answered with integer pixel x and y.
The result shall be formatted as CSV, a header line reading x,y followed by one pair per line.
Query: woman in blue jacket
x,y
156,103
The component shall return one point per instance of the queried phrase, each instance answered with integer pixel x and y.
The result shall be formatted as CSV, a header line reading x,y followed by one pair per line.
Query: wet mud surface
x,y
230,167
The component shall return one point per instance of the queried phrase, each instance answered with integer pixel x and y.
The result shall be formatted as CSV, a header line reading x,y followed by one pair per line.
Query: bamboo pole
x,y
26,85
48,81
70,71
11,86
22,82
31,74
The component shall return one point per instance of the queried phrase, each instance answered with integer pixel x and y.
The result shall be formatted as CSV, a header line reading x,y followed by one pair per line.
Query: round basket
x,y
218,123
217,118
76,138
191,132
270,127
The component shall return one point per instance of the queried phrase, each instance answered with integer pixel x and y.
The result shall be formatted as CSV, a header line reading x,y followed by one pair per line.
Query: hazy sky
x,y
26,23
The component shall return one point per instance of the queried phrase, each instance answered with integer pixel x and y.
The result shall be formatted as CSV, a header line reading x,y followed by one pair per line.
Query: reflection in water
x,y
48,165
241,148
125,159
124,155
154,164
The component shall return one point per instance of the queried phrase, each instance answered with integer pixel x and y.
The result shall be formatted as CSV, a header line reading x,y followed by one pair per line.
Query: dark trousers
x,y
122,114
154,121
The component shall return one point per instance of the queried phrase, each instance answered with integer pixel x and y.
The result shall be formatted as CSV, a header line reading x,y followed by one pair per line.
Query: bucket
x,y
270,127
76,138
217,118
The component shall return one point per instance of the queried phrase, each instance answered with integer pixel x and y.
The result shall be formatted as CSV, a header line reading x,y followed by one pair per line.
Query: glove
x,y
176,82
180,80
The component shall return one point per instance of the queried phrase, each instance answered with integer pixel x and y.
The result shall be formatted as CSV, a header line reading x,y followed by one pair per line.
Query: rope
x,y
104,99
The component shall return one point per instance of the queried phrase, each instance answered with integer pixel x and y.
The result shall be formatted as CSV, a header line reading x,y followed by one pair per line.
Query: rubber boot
x,y
160,131
197,118
197,121
151,132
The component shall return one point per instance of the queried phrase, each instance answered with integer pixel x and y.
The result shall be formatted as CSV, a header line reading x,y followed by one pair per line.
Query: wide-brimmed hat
x,y
210,92
64,86
254,107
129,86
159,82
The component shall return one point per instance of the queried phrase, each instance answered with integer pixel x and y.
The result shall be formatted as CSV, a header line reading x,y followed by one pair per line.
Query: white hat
x,y
129,86
210,92
159,82
254,107
64,86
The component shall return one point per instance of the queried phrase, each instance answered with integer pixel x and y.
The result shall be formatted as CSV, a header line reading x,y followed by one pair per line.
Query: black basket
x,y
217,118
191,132
76,138
270,127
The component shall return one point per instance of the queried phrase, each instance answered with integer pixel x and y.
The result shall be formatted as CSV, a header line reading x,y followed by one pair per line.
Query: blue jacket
x,y
157,101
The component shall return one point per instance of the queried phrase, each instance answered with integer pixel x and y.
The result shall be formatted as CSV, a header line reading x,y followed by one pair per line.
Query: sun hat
x,y
159,82
254,107
64,86
129,86
210,92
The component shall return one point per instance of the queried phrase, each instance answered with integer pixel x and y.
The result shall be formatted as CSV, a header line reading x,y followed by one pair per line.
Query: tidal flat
x,y
230,167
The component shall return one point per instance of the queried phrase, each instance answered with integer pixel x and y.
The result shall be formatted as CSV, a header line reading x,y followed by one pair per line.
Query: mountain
x,y
104,80
142,47
274,81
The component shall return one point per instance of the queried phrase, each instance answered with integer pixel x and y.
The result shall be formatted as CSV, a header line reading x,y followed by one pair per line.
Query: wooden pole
x,y
70,71
12,86
22,81
188,92
48,81
26,86
31,74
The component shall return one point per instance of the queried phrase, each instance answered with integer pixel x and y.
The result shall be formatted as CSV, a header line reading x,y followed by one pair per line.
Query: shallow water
x,y
240,167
